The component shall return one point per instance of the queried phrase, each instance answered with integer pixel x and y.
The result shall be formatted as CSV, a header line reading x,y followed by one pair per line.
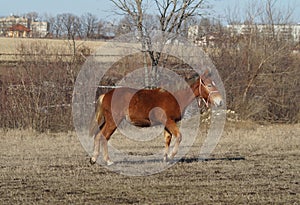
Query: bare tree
x,y
232,14
274,16
99,28
72,27
56,26
124,25
134,9
89,22
171,14
51,20
32,16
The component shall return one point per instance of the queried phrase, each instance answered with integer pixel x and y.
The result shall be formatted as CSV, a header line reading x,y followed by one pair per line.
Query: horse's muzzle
x,y
218,101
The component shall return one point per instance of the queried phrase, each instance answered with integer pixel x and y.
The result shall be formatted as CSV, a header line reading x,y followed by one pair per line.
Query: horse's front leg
x,y
176,146
174,130
96,151
168,137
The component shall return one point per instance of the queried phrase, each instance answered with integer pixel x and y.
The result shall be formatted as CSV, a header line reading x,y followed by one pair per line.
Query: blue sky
x,y
104,8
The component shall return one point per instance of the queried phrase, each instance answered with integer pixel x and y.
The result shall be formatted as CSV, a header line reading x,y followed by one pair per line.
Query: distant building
x,y
17,31
283,31
206,38
200,36
15,26
39,29
8,22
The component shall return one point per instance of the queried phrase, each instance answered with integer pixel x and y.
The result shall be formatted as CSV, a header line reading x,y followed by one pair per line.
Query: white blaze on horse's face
x,y
216,97
217,100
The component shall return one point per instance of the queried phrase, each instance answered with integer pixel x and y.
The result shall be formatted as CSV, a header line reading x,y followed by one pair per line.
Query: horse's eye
x,y
209,85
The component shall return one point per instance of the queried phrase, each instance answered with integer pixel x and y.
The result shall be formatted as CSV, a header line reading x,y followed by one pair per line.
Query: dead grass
x,y
53,169
55,46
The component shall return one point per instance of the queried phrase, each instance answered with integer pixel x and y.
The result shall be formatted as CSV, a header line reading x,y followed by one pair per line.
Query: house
x,y
15,26
17,31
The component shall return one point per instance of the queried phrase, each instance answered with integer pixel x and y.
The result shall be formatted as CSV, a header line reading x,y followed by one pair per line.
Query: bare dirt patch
x,y
53,169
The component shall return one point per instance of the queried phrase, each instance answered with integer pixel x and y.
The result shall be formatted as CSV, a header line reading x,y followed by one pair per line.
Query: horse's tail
x,y
98,118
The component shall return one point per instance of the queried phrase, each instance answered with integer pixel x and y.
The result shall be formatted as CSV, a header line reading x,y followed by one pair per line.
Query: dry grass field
x,y
11,46
54,169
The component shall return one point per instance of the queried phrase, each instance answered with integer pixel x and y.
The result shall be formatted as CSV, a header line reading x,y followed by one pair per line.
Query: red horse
x,y
139,107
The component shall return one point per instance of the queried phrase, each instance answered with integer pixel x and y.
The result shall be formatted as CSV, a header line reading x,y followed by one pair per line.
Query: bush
x,y
37,93
261,76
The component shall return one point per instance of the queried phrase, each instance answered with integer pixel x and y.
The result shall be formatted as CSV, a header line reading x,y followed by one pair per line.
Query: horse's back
x,y
154,98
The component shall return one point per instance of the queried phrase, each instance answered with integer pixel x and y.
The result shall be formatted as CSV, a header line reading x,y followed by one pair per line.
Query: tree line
x,y
69,25
90,26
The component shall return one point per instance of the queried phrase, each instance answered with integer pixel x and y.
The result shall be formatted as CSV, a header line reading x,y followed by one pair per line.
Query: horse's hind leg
x,y
105,151
102,137
168,137
97,139
173,129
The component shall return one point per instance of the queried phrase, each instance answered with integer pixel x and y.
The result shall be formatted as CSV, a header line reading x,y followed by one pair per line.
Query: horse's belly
x,y
139,122
146,119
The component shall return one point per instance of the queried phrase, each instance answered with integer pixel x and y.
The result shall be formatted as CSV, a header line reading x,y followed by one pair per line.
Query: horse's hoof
x,y
171,156
166,159
92,161
109,163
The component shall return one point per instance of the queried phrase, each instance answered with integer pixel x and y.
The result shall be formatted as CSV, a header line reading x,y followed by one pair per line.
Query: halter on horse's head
x,y
208,91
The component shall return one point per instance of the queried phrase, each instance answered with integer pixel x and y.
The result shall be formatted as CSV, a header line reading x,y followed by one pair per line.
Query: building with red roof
x,y
18,30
